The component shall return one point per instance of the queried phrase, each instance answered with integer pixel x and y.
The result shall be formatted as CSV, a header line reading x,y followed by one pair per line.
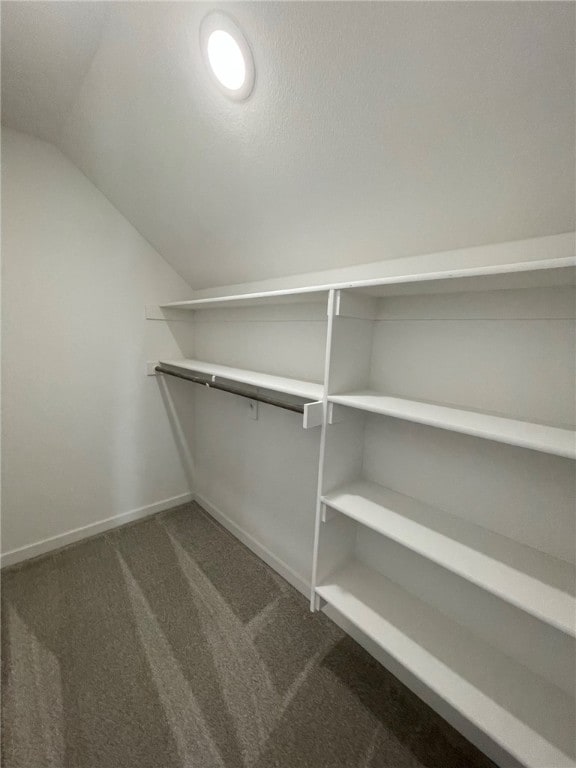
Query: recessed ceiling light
x,y
227,55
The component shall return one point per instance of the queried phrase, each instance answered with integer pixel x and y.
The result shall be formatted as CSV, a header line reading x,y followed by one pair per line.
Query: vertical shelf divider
x,y
314,598
347,366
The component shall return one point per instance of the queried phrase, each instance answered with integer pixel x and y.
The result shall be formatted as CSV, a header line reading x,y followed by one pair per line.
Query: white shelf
x,y
538,437
308,295
527,274
305,389
531,580
539,275
528,717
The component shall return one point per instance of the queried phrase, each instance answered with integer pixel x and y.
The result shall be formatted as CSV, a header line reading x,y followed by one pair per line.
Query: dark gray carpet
x,y
168,644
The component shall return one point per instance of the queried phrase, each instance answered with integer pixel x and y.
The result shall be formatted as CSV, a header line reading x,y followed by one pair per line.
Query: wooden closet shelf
x,y
309,295
308,390
525,434
528,274
528,716
531,580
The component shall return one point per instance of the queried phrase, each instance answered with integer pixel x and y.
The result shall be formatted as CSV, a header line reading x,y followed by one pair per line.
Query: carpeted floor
x,y
168,644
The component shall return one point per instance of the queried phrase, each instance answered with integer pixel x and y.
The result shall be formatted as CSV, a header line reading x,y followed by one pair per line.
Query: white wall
x,y
259,476
85,432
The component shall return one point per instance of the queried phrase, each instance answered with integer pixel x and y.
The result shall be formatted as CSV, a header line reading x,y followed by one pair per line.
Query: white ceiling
x,y
375,130
47,49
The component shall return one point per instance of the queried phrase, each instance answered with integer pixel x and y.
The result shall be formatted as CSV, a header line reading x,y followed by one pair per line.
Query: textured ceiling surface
x,y
47,49
375,130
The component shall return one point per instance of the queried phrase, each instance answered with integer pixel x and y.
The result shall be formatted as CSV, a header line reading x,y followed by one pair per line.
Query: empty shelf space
x,y
531,580
308,390
525,715
538,437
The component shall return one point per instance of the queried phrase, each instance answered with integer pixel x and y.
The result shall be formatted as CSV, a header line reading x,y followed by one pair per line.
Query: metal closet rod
x,y
198,378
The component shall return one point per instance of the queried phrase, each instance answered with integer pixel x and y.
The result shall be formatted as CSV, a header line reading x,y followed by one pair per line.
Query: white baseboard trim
x,y
288,573
92,529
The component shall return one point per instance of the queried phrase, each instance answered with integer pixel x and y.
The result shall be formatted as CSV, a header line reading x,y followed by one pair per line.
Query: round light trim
x,y
227,56
226,60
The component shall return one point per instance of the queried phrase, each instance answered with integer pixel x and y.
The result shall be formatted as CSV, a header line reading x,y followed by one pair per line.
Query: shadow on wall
x,y
178,399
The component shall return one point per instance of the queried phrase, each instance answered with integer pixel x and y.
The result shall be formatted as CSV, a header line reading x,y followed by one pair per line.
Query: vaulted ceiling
x,y
375,130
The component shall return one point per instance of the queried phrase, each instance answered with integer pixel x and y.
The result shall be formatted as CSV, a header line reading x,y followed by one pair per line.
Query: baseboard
x,y
86,531
260,550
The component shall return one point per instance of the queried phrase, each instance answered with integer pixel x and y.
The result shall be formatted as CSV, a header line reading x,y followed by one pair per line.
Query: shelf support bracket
x,y
328,513
338,413
313,415
348,304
